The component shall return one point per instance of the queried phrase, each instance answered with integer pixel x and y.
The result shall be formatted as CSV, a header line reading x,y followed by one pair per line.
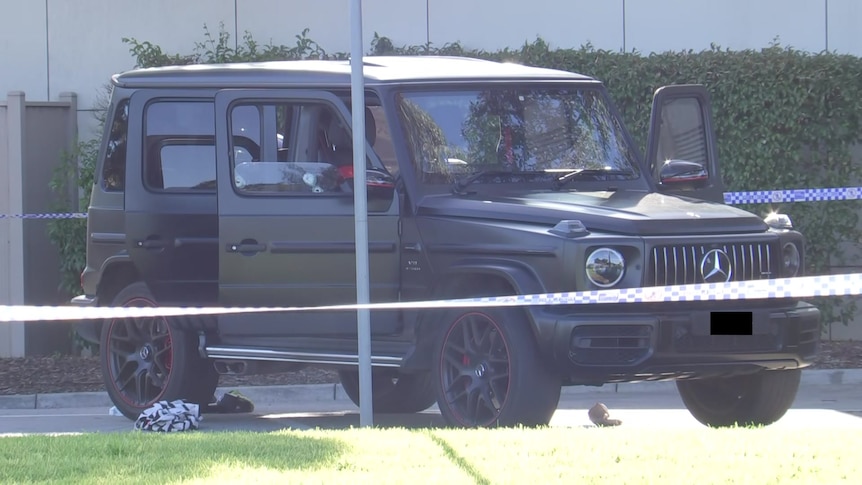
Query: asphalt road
x,y
830,399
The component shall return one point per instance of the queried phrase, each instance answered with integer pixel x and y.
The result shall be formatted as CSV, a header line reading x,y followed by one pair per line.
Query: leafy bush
x,y
785,119
74,172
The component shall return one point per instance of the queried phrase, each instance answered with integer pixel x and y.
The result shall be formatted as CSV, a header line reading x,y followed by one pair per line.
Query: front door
x,y
286,218
681,151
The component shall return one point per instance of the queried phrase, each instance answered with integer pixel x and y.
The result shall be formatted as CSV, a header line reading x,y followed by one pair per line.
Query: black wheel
x,y
392,391
488,371
747,400
145,360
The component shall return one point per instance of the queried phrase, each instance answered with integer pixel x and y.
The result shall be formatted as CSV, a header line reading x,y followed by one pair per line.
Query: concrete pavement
x,y
321,393
826,399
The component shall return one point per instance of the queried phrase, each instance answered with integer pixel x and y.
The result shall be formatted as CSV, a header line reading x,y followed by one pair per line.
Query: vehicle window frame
x,y
120,176
372,160
146,145
642,181
379,98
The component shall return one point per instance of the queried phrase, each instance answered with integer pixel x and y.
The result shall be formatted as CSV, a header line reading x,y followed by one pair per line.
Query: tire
x,y
748,400
392,391
488,371
145,360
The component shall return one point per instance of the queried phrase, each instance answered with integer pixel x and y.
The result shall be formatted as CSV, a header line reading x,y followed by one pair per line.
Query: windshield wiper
x,y
462,183
559,182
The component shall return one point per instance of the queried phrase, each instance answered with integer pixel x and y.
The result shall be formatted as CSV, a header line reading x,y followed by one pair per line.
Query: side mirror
x,y
682,173
378,184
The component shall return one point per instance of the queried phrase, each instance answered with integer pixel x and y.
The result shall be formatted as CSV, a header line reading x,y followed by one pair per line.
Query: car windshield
x,y
520,131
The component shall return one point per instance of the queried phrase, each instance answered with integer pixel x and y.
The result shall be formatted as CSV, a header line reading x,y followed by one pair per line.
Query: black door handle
x,y
246,247
152,244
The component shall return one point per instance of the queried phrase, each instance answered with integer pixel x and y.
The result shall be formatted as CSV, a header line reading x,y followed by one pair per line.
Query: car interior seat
x,y
340,142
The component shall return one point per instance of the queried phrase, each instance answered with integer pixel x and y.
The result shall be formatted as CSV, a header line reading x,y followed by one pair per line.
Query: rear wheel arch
x,y
116,275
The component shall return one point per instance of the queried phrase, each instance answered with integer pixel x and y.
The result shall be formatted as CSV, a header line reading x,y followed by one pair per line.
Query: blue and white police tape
x,y
795,195
799,287
46,215
731,198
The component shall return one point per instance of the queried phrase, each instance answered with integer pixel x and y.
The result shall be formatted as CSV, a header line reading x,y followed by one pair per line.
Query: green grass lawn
x,y
522,456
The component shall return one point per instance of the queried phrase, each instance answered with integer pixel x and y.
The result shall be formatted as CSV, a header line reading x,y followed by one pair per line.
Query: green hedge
x,y
785,119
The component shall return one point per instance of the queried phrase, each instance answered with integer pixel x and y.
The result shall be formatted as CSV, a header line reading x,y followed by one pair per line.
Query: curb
x,y
270,395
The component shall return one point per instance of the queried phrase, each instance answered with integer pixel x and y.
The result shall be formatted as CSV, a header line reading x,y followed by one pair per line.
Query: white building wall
x,y
662,25
494,24
85,44
844,21
23,49
279,21
60,45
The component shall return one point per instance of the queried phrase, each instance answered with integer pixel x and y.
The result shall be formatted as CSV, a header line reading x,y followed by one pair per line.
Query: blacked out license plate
x,y
731,323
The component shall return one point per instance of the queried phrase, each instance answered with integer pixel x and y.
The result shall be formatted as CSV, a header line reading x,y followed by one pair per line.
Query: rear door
x,y
171,217
682,153
286,218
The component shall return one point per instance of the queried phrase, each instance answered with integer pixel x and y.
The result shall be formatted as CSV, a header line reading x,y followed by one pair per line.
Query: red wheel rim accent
x,y
139,357
475,371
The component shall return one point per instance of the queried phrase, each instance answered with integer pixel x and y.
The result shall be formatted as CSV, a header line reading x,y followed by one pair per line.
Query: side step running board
x,y
304,357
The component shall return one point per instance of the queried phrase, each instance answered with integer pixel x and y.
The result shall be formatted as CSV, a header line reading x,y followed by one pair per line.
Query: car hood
x,y
621,212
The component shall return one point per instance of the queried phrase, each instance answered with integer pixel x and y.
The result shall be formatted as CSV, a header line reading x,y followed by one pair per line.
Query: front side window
x,y
522,131
290,148
179,150
681,133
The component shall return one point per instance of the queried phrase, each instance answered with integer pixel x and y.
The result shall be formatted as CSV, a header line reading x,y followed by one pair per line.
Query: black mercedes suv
x,y
231,185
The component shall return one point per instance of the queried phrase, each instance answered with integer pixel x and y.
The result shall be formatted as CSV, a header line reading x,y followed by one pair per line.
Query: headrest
x,y
339,136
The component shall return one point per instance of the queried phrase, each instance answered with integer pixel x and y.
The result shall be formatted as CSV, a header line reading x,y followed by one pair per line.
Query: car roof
x,y
333,73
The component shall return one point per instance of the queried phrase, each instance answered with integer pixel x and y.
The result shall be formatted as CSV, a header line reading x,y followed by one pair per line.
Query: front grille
x,y
679,264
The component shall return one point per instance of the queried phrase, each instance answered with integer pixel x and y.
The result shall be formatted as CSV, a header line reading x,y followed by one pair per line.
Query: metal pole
x,y
357,88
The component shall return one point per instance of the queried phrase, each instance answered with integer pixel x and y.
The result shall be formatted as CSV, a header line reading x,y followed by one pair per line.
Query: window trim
x,y
301,100
103,179
146,145
163,141
409,163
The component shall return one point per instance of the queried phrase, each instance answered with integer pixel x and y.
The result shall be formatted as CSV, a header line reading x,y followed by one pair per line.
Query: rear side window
x,y
179,149
114,168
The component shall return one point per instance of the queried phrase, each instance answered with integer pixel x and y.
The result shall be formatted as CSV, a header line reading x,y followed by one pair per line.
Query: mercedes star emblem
x,y
715,267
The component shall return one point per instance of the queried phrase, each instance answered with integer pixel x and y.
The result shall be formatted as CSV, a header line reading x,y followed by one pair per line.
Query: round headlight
x,y
790,259
605,267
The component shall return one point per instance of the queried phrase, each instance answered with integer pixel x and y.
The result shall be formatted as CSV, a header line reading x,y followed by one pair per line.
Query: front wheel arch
x,y
470,280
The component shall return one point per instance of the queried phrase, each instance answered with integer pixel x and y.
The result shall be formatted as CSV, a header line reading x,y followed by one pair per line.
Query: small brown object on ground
x,y
600,416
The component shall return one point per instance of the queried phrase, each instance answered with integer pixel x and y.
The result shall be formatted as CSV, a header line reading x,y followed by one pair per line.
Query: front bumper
x,y
87,329
675,342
